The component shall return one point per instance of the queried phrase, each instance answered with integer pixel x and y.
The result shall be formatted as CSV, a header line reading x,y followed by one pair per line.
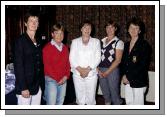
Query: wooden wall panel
x,y
72,15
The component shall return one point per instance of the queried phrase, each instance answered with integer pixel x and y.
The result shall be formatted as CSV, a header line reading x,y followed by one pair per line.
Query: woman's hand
x,y
125,80
83,71
63,80
25,93
100,74
105,74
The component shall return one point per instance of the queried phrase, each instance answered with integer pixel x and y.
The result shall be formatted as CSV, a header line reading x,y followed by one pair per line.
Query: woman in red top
x,y
56,67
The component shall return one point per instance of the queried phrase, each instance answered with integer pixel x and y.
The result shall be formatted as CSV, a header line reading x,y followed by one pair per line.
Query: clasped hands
x,y
63,80
103,74
84,71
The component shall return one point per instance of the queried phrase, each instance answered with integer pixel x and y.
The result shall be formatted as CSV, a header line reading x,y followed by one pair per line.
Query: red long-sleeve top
x,y
56,63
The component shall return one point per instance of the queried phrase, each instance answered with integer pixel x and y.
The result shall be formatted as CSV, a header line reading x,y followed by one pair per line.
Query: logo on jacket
x,y
134,59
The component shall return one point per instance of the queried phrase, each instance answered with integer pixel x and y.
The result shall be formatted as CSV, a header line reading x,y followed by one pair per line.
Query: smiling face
x,y
32,23
134,30
110,30
57,32
58,36
86,30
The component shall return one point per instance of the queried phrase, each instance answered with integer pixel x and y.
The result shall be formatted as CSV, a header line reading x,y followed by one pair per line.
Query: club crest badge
x,y
134,59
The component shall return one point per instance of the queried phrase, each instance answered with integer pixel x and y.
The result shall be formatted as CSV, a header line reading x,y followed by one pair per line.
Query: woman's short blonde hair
x,y
57,27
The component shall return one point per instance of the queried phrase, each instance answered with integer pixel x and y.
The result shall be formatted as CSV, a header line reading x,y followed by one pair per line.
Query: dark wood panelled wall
x,y
71,16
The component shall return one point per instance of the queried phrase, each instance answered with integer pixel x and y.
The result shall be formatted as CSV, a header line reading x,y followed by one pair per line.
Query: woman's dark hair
x,y
137,22
88,22
113,23
30,14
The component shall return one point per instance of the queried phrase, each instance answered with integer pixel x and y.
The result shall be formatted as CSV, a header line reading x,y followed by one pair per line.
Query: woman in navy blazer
x,y
28,65
135,63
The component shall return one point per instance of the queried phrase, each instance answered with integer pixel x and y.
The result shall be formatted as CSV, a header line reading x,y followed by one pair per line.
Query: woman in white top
x,y
109,77
85,56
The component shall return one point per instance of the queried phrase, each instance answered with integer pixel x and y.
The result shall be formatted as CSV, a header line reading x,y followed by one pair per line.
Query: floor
x,y
10,99
100,101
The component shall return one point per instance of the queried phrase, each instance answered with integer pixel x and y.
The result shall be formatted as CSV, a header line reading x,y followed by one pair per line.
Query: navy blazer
x,y
28,65
135,65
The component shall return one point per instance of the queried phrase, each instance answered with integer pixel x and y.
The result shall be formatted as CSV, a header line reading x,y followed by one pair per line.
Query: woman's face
x,y
58,36
110,30
134,30
32,23
86,30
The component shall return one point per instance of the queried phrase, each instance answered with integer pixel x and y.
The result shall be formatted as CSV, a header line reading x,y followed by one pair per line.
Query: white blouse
x,y
85,55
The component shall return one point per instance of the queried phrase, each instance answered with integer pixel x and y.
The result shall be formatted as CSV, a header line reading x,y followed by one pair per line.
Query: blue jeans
x,y
54,93
110,87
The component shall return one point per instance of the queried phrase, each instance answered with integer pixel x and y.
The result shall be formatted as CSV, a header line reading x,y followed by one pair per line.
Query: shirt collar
x,y
104,40
90,39
56,45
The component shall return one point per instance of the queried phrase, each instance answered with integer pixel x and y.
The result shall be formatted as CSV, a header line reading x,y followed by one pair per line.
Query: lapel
x,y
30,41
135,47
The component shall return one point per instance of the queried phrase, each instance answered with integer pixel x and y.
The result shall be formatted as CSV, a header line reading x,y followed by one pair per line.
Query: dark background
x,y
71,16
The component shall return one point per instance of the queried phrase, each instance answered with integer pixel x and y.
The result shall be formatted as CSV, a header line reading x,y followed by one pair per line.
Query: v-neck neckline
x,y
29,39
134,46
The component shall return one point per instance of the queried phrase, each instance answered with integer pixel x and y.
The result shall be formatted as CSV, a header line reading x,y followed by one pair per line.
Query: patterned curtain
x,y
72,15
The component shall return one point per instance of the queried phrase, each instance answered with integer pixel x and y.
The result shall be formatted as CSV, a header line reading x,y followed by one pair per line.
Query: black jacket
x,y
136,64
28,65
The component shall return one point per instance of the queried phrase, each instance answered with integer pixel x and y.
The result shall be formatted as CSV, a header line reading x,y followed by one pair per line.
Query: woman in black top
x,y
135,63
28,65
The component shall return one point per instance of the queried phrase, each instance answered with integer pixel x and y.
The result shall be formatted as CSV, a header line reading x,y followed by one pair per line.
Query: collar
x,y
90,39
104,41
56,45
